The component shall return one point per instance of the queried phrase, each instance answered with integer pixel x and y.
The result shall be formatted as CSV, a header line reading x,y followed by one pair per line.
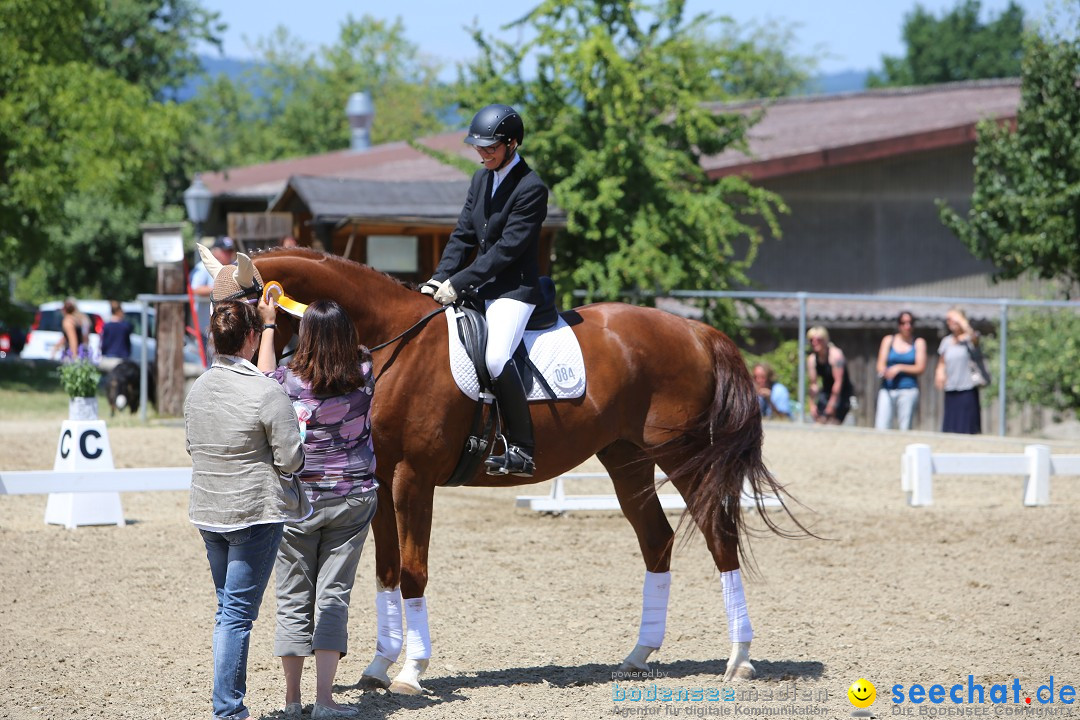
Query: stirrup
x,y
515,461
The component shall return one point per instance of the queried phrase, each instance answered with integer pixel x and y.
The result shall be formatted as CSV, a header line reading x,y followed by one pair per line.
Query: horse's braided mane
x,y
323,256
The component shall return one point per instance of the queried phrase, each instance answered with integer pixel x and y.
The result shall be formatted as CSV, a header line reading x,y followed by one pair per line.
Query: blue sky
x,y
852,34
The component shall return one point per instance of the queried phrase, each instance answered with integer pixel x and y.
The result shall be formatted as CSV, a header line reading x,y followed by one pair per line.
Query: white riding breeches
x,y
506,320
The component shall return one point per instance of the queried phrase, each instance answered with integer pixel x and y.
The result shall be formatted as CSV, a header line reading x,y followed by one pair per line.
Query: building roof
x,y
417,202
333,199
794,135
806,133
395,161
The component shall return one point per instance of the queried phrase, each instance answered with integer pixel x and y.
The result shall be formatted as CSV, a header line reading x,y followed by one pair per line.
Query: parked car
x,y
12,339
13,329
45,332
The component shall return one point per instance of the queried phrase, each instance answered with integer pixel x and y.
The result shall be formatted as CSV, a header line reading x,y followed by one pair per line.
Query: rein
x,y
417,325
276,292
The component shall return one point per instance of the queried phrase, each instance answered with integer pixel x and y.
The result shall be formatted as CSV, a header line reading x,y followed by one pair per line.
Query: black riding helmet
x,y
495,124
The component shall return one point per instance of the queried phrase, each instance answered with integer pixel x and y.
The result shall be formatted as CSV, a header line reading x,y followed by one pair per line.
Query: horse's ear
x,y
245,271
209,261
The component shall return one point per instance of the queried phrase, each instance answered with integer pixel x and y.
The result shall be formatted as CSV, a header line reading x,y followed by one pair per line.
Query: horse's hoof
x,y
742,671
636,661
370,682
739,666
407,681
399,687
375,675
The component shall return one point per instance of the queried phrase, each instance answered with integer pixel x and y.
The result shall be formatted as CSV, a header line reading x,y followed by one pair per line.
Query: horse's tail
x,y
720,450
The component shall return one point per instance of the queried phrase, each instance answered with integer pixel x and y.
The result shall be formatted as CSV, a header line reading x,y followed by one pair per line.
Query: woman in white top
x,y
956,354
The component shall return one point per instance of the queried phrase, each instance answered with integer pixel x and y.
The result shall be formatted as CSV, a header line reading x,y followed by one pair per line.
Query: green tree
x,y
956,46
151,43
1025,212
1025,209
616,125
759,62
1043,364
292,103
86,147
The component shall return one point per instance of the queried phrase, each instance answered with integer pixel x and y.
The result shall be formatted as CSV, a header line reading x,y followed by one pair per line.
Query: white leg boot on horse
x,y
388,640
417,648
738,665
654,607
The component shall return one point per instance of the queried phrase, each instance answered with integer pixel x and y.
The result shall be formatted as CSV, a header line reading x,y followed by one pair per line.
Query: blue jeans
x,y
240,563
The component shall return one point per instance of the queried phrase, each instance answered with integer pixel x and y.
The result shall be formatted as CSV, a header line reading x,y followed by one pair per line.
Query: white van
x,y
45,332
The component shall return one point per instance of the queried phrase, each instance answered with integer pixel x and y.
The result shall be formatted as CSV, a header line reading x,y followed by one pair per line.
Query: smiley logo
x,y
862,693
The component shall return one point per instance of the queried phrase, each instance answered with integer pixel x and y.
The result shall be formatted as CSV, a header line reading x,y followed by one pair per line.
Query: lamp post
x,y
197,199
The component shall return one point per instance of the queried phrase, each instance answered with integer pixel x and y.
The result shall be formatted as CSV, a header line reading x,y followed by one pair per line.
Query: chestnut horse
x,y
661,390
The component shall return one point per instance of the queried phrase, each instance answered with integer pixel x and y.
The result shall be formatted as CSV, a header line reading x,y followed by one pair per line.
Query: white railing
x,y
557,501
918,465
42,482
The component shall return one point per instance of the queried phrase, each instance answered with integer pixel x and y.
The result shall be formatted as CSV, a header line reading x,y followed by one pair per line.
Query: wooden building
x,y
397,227
392,206
862,174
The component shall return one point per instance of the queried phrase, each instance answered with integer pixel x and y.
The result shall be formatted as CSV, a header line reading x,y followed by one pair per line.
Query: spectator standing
x,y
288,242
115,338
773,397
827,374
75,329
244,443
330,384
901,359
958,352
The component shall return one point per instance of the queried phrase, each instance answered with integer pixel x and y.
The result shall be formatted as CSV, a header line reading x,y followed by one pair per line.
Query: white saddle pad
x,y
555,352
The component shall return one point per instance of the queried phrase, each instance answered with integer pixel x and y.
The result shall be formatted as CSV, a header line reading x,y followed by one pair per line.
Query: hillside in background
x,y
824,84
212,67
837,82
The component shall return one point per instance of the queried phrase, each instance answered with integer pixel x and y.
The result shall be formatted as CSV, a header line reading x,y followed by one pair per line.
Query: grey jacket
x,y
244,442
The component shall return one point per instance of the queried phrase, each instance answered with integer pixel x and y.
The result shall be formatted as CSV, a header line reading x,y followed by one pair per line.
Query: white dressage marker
x,y
559,502
83,486
918,467
83,445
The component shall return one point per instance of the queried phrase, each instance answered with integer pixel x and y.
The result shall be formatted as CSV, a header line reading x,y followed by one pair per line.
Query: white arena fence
x,y
918,465
557,501
43,482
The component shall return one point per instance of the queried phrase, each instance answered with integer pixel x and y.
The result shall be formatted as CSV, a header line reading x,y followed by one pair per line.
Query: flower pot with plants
x,y
79,378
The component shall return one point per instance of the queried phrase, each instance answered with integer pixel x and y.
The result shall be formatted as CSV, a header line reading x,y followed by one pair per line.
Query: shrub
x,y
79,378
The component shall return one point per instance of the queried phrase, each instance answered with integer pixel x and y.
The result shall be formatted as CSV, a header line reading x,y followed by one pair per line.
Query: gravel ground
x,y
530,614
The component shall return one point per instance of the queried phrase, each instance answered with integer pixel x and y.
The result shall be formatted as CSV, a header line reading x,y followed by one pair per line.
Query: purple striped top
x,y
340,456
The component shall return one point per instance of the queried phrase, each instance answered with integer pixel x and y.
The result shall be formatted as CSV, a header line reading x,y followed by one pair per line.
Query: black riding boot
x,y
517,425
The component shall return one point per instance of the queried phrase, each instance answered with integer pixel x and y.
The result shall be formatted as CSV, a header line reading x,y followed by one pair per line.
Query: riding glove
x,y
446,294
430,287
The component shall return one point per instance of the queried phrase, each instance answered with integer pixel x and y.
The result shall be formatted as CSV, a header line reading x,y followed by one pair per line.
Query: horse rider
x,y
501,219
